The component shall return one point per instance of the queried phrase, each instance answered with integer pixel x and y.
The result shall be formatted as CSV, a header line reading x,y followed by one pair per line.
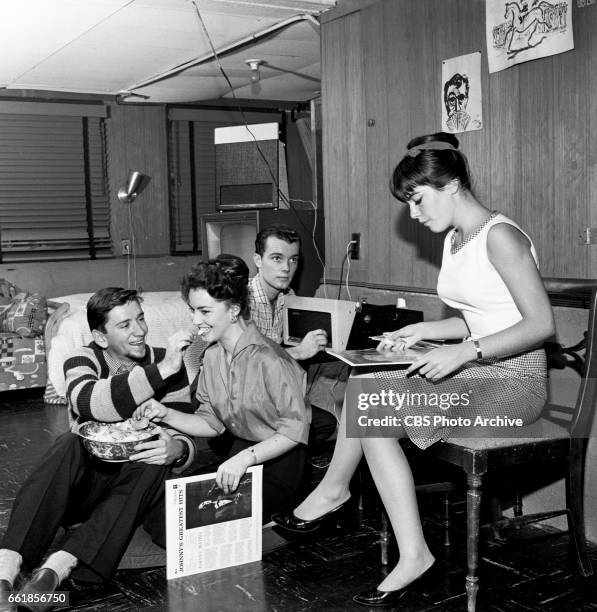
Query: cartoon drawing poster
x,y
523,30
461,93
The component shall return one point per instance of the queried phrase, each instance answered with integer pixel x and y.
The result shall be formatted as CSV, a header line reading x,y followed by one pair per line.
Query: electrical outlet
x,y
355,247
125,247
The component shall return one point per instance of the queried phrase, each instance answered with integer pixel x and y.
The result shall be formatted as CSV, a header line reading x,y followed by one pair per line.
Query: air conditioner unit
x,y
250,167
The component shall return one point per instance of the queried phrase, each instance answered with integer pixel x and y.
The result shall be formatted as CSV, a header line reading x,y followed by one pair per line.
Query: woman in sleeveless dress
x,y
489,273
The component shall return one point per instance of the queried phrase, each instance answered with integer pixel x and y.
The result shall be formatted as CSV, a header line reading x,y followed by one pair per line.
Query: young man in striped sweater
x,y
106,381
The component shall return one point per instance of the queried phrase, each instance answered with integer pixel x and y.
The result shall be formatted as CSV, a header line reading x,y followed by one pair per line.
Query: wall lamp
x,y
135,184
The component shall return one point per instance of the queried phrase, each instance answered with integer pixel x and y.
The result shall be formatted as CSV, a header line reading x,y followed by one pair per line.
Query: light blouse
x,y
469,282
260,393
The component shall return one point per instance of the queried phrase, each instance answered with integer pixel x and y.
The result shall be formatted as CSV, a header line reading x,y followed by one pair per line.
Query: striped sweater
x,y
97,389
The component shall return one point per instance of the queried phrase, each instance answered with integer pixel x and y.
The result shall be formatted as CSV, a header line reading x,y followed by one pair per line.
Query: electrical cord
x,y
281,195
344,259
132,251
341,275
348,250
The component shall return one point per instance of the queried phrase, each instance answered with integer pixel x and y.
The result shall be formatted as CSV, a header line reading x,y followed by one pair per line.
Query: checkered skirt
x,y
513,386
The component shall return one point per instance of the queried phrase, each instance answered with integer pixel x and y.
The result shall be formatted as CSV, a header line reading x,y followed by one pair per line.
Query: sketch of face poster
x,y
461,93
522,30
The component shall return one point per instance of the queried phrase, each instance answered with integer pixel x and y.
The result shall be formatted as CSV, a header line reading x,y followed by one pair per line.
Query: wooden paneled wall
x,y
534,160
137,140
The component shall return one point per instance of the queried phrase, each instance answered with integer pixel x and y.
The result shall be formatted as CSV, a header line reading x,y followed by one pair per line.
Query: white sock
x,y
62,562
10,564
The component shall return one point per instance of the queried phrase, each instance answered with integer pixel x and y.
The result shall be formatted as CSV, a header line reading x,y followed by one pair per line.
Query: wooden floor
x,y
532,571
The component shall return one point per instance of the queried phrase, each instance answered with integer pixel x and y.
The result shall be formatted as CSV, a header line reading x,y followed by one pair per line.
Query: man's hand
x,y
164,451
231,471
315,341
177,344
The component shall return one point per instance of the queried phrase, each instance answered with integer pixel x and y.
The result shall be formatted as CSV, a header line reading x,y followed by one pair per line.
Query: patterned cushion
x,y
26,315
22,362
7,292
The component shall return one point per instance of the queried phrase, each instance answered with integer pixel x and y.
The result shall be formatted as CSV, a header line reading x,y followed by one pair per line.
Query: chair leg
x,y
496,515
473,512
517,507
574,503
447,518
384,536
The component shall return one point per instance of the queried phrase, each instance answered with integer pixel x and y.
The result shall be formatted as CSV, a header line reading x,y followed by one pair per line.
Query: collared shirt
x,y
260,393
266,315
118,366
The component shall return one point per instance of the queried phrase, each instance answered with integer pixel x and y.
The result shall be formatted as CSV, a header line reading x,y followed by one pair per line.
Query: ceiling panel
x,y
108,47
33,30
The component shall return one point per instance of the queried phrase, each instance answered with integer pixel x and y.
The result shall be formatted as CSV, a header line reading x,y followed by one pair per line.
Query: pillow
x,y
26,315
7,293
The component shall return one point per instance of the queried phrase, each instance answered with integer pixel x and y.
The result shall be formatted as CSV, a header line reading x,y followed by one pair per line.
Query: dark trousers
x,y
282,478
282,481
323,425
107,500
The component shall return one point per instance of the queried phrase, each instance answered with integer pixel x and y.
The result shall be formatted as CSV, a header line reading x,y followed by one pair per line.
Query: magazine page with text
x,y
207,529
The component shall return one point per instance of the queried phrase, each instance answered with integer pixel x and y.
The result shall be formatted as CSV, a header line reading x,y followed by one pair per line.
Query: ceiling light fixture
x,y
253,65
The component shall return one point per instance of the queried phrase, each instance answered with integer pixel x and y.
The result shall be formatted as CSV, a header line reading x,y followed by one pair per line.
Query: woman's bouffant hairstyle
x,y
225,279
424,165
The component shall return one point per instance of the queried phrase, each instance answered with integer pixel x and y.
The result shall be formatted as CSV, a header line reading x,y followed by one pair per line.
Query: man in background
x,y
277,254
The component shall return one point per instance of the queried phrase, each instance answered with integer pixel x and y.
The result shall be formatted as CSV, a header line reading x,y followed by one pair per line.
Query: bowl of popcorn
x,y
116,441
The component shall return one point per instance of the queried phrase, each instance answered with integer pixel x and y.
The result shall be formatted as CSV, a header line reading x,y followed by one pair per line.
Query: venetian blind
x,y
54,201
192,194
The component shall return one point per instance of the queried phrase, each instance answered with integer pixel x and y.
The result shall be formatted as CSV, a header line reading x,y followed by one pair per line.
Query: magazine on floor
x,y
371,357
207,529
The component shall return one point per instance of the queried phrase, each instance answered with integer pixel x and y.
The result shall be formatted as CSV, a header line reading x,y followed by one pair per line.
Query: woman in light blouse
x,y
248,385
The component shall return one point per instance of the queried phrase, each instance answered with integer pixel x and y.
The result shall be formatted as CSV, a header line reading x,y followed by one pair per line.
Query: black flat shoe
x,y
374,598
43,581
334,517
6,591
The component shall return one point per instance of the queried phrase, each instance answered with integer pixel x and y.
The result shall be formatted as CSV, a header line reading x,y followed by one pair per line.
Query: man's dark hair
x,y
277,230
104,300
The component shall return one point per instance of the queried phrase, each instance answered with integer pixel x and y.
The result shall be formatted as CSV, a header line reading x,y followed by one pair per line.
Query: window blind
x,y
54,201
192,195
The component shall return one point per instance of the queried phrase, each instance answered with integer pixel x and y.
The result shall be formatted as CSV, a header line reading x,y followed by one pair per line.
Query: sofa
x,y
23,317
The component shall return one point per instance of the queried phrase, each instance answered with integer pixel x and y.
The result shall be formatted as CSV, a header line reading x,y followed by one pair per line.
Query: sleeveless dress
x,y
513,386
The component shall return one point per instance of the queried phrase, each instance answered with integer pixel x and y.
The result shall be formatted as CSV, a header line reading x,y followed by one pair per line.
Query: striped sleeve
x,y
93,394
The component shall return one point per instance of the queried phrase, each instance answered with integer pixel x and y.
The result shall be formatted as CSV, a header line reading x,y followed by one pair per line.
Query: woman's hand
x,y
231,471
403,338
152,410
444,360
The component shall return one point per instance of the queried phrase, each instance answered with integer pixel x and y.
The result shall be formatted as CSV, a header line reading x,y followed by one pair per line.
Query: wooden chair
x,y
559,435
